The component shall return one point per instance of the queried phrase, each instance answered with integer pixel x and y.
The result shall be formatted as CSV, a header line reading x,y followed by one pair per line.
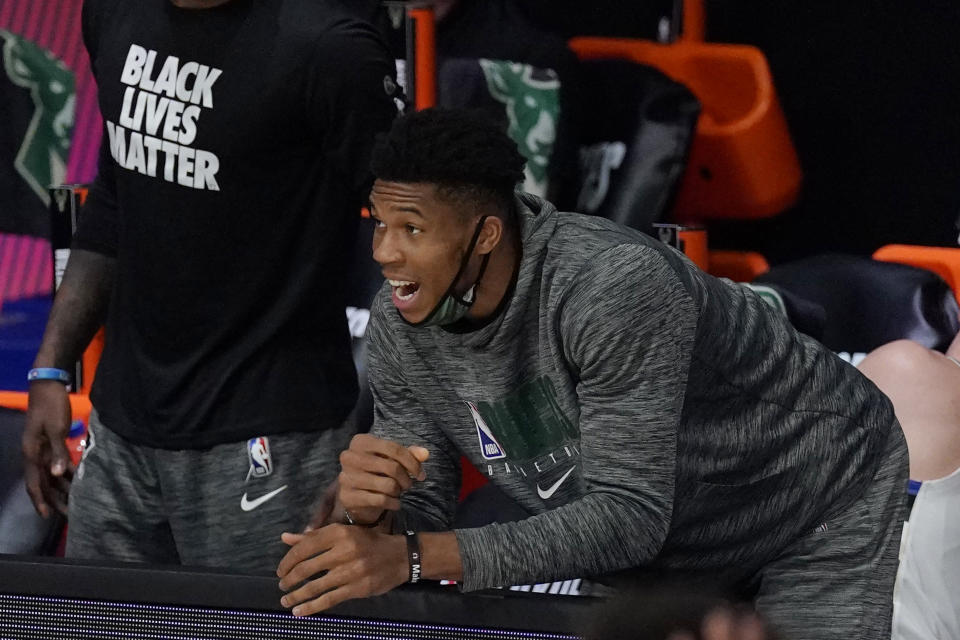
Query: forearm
x,y
595,535
411,518
441,556
78,309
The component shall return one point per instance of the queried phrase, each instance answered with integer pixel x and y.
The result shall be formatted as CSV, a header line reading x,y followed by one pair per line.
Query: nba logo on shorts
x,y
261,464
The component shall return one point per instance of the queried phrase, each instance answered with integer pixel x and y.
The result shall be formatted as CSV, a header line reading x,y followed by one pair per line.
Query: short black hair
x,y
464,152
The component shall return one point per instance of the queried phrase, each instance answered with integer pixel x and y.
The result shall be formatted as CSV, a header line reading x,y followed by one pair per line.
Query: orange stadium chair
x,y
742,162
943,261
739,266
17,400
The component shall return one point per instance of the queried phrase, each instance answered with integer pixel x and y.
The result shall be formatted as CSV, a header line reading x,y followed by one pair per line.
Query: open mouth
x,y
404,290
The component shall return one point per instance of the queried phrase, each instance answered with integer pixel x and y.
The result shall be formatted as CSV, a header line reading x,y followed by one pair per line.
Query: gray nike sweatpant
x,y
197,507
836,583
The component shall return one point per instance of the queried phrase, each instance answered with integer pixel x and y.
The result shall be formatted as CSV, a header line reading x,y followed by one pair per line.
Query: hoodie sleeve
x,y
628,327
428,505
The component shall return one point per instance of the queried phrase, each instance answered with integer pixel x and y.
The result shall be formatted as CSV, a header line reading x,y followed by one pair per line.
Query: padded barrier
x,y
42,598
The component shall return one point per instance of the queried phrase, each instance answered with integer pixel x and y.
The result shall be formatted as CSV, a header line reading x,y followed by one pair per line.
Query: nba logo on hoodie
x,y
490,449
261,464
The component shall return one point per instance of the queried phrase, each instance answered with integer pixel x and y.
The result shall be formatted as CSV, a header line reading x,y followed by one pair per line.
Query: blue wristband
x,y
49,373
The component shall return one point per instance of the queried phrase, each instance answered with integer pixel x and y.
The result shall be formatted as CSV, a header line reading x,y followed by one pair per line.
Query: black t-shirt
x,y
233,164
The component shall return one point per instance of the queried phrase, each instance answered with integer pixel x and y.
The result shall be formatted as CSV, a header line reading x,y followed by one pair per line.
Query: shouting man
x,y
647,415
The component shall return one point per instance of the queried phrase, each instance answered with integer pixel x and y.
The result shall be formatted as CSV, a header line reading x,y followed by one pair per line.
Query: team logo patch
x,y
490,449
261,464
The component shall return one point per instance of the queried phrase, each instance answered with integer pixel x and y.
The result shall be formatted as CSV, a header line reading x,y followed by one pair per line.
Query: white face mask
x,y
452,307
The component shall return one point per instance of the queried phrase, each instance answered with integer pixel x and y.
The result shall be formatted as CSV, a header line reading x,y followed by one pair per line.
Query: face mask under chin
x,y
451,307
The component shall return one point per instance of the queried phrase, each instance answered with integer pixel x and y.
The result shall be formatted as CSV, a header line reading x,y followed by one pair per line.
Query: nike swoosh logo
x,y
546,495
250,505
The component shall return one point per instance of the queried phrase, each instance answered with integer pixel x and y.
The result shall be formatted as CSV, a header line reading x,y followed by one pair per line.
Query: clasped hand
x,y
339,562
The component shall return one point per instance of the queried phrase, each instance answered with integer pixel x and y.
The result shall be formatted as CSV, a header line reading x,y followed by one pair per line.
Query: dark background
x,y
871,93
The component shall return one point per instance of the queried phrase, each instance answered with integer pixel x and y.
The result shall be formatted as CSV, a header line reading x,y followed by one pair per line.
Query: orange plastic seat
x,y
742,162
739,266
944,261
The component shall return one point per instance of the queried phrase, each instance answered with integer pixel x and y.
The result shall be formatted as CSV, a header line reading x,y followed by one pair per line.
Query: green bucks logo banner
x,y
532,99
41,159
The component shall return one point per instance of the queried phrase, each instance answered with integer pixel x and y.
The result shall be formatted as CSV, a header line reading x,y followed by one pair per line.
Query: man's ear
x,y
491,234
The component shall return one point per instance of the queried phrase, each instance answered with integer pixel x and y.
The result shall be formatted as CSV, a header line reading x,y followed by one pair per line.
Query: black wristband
x,y
413,555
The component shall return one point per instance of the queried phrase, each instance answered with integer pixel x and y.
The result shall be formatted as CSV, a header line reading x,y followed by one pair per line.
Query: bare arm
x,y
78,311
922,384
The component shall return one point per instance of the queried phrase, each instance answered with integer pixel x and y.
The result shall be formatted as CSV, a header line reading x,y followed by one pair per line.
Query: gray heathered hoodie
x,y
645,412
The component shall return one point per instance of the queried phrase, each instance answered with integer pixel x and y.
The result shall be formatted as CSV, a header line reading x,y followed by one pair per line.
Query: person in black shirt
x,y
214,240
